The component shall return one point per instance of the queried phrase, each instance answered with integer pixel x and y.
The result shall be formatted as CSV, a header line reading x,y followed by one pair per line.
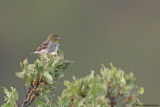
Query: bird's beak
x,y
58,38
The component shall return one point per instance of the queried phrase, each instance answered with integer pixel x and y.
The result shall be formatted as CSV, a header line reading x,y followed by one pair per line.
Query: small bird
x,y
51,45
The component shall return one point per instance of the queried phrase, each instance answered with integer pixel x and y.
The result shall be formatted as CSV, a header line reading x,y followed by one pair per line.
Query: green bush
x,y
101,90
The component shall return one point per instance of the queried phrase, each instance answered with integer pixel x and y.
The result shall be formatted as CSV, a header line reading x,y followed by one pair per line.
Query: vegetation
x,y
100,90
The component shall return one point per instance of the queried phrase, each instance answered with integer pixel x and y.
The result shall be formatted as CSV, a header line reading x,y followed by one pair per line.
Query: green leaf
x,y
10,98
39,103
48,77
14,94
5,90
7,105
28,82
20,74
141,91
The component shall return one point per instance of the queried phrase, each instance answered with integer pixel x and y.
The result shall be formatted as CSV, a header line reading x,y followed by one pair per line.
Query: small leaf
x,y
14,94
7,105
20,74
5,90
25,61
10,98
141,91
21,64
39,103
48,77
28,82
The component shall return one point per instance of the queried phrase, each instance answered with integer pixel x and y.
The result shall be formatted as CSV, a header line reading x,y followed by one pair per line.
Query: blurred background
x,y
125,32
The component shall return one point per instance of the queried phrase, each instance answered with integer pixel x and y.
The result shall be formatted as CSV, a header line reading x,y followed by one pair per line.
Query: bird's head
x,y
53,37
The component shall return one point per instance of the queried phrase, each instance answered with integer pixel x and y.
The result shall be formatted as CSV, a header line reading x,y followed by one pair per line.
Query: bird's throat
x,y
54,40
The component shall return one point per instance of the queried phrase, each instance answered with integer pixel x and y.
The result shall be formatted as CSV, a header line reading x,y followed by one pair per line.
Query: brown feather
x,y
42,46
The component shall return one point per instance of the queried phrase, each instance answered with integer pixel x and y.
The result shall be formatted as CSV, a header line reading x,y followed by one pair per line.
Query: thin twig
x,y
31,95
112,98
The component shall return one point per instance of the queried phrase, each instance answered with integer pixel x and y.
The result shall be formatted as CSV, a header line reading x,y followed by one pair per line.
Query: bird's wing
x,y
43,46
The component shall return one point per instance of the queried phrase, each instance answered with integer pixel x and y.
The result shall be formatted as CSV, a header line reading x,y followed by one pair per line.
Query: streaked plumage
x,y
50,45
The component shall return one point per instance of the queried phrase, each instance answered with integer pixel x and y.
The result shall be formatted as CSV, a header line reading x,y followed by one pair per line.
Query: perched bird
x,y
51,45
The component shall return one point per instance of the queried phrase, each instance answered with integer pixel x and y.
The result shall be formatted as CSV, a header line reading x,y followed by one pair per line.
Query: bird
x,y
51,45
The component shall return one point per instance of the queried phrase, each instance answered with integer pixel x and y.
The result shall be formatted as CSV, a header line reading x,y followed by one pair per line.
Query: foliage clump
x,y
10,98
101,90
41,77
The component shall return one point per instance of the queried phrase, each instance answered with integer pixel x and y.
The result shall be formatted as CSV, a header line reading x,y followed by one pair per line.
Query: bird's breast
x,y
52,46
